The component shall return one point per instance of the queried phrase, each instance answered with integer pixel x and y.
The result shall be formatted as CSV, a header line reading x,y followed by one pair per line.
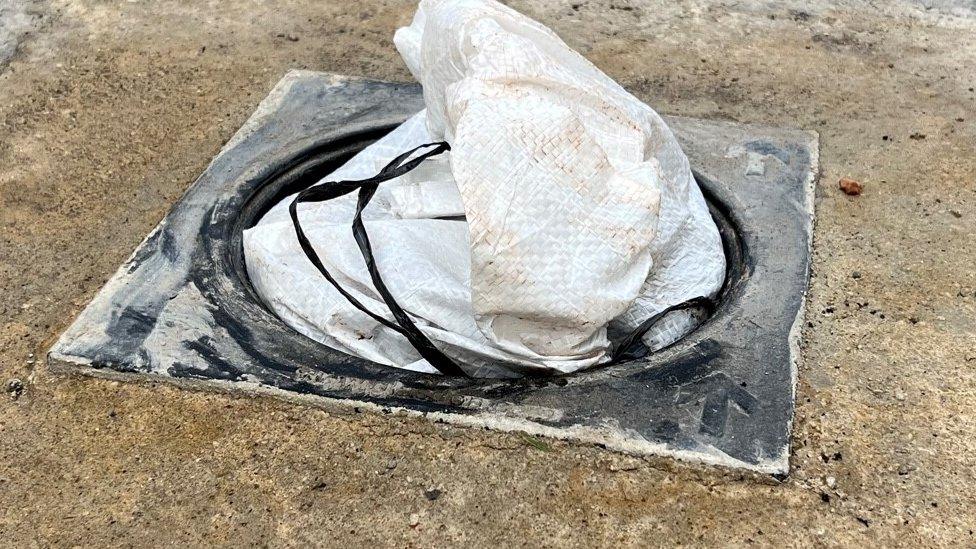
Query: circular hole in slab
x,y
309,166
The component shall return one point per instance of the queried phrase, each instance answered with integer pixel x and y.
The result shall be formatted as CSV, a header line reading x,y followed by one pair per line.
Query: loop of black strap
x,y
404,325
630,347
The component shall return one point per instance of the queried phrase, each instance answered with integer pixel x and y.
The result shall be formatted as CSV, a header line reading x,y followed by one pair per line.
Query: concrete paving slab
x,y
181,308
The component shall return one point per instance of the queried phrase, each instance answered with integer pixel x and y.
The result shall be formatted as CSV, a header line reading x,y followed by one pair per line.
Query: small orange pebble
x,y
850,186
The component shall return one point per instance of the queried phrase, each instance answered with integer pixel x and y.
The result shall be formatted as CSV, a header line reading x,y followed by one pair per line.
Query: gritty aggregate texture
x,y
108,110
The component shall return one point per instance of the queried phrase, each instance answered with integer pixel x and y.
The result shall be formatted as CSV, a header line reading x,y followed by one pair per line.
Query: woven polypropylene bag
x,y
580,212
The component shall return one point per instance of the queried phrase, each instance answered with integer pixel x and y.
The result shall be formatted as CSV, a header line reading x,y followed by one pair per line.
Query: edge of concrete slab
x,y
608,439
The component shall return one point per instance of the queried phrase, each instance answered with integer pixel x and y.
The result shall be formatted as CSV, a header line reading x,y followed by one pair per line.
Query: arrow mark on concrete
x,y
721,391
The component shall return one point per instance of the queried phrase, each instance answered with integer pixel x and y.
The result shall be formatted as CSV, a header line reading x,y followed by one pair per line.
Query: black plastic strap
x,y
404,325
630,347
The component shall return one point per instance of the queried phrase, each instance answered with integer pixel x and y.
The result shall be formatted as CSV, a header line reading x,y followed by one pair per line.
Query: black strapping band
x,y
404,325
627,349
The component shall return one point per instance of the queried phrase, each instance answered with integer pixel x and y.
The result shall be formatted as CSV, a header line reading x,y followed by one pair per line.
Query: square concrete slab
x,y
182,310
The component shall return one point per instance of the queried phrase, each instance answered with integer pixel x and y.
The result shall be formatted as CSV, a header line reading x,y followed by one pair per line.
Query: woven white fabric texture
x,y
580,212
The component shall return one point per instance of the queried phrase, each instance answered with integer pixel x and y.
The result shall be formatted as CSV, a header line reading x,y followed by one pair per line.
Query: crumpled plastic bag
x,y
580,212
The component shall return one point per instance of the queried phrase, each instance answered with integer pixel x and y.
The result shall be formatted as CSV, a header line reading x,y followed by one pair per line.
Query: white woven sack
x,y
581,212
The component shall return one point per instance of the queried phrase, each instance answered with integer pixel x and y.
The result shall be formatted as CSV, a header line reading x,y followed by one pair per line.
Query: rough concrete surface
x,y
110,109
